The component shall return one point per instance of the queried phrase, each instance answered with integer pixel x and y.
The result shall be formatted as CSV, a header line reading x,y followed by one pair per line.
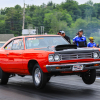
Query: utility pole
x,y
36,30
23,16
41,30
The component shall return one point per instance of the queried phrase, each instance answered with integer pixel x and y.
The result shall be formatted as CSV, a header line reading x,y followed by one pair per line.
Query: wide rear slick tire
x,y
89,76
3,77
39,78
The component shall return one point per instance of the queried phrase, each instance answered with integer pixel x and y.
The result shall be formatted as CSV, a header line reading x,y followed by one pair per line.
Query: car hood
x,y
68,49
78,50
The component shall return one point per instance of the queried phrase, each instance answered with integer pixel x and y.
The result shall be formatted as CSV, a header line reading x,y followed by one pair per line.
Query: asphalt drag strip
x,y
59,88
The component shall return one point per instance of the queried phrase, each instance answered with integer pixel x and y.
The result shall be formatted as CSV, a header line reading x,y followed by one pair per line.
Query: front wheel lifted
x,y
39,78
89,76
3,77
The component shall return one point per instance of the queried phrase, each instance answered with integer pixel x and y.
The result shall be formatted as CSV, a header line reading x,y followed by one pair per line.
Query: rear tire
x,y
3,77
89,76
39,78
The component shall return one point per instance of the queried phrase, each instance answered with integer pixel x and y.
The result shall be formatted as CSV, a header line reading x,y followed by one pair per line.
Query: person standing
x,y
80,40
62,33
97,45
91,43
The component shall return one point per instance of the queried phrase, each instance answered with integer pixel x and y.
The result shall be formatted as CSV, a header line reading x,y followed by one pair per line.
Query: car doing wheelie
x,y
43,56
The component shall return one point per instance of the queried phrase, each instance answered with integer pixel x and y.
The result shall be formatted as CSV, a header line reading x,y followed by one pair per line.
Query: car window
x,y
41,42
9,46
32,43
18,44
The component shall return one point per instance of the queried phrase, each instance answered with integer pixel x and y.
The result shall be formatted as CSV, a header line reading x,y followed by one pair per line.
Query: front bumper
x,y
98,70
68,67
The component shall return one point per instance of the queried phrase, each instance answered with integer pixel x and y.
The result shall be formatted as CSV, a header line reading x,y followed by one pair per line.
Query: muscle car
x,y
44,56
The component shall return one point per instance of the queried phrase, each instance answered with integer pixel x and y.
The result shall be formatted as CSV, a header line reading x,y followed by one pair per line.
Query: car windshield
x,y
1,44
46,41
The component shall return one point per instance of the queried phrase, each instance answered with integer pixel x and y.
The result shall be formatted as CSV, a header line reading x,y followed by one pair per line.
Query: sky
x,y
12,3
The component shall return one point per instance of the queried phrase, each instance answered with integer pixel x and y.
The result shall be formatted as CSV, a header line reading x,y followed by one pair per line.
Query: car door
x,y
15,56
4,55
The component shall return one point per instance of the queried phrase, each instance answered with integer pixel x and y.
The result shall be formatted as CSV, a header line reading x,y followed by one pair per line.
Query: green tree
x,y
90,2
50,3
2,26
18,7
97,9
13,21
72,7
52,20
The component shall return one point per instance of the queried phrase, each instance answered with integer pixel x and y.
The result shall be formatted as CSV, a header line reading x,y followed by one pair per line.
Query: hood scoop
x,y
67,46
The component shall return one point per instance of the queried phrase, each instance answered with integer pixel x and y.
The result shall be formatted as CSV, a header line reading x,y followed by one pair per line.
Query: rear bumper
x,y
68,67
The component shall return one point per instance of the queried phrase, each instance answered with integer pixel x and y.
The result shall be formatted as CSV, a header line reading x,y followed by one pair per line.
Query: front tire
x,y
3,77
48,78
39,78
89,76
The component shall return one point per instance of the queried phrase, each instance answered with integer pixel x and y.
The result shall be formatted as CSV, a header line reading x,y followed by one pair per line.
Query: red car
x,y
43,56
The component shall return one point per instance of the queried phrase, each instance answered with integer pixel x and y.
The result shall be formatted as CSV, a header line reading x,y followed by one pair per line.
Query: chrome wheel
x,y
37,76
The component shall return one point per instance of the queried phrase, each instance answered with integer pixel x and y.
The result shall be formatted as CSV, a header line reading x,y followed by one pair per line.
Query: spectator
x,y
97,45
91,43
62,33
80,40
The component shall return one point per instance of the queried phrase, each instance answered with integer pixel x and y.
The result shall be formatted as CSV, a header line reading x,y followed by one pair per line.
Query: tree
x,y
90,2
2,17
68,16
87,11
50,3
54,19
13,21
2,26
18,7
97,9
72,7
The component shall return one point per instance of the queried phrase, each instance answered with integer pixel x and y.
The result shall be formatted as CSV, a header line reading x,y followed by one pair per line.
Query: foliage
x,y
68,16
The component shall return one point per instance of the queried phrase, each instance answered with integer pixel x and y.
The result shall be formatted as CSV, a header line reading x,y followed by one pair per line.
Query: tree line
x,y
68,16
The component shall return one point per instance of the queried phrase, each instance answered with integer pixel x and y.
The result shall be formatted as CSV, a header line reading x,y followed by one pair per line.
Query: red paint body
x,y
17,60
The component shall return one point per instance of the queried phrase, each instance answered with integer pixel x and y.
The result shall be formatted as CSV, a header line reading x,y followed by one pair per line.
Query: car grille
x,y
76,56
